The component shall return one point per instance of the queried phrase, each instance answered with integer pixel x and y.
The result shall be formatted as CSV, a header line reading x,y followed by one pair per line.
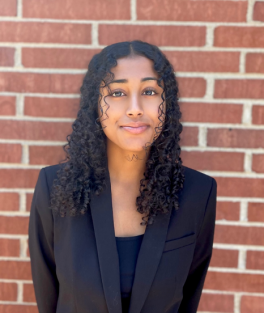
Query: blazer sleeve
x,y
193,286
40,242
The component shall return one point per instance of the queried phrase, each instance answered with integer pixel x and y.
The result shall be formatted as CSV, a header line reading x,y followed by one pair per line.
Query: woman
x,y
122,225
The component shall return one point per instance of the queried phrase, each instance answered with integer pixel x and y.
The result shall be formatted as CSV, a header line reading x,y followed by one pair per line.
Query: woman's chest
x,y
127,220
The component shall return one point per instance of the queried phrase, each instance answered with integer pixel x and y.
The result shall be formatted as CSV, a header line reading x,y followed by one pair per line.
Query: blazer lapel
x,y
148,259
102,215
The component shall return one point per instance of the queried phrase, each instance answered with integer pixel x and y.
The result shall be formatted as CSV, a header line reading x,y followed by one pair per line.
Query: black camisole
x,y
128,249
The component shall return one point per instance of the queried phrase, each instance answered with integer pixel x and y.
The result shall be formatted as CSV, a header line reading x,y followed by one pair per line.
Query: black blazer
x,y
74,260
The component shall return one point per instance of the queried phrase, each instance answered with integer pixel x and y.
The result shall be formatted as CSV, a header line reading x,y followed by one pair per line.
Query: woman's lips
x,y
135,130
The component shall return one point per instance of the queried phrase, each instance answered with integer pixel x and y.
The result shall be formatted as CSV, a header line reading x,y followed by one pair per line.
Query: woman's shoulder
x,y
198,186
196,177
51,172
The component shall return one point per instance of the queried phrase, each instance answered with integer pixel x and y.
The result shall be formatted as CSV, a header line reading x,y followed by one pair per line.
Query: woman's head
x,y
131,104
106,107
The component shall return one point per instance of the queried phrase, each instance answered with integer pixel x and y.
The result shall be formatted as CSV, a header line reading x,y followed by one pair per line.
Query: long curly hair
x,y
86,158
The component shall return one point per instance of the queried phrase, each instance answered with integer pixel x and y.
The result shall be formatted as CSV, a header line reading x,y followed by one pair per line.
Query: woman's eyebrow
x,y
123,81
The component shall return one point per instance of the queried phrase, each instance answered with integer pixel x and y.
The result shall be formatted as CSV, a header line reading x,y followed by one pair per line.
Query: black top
x,y
128,249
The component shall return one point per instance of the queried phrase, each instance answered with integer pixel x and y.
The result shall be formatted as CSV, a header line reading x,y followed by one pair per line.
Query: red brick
x,y
208,11
9,247
78,9
7,105
255,260
255,212
40,82
8,291
239,187
258,13
18,178
229,211
9,308
47,155
214,160
8,8
235,138
258,114
203,61
239,88
189,137
9,201
191,87
216,303
33,130
258,163
234,282
162,35
57,58
29,197
251,304
6,56
51,107
10,153
15,225
202,112
15,270
45,32
28,293
241,235
224,258
255,62
236,36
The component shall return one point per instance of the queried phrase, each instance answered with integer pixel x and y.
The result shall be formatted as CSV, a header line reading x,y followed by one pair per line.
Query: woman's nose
x,y
134,107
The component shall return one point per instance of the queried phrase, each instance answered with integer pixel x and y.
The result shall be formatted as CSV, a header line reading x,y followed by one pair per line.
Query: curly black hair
x,y
86,158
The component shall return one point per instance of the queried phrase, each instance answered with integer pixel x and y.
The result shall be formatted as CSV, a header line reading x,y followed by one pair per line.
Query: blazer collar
x,y
148,259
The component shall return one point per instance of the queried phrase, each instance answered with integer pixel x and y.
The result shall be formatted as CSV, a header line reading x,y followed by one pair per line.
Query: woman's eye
x,y
116,92
150,92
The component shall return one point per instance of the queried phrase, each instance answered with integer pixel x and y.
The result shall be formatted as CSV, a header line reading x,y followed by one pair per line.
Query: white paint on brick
x,y
25,154
23,248
8,236
242,293
247,114
19,107
19,292
237,300
17,57
240,223
209,40
133,10
130,22
209,93
235,270
248,161
19,8
242,255
243,211
22,202
250,11
242,61
228,246
90,46
202,135
94,36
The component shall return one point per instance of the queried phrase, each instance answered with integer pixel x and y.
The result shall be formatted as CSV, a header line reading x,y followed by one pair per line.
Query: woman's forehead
x,y
136,66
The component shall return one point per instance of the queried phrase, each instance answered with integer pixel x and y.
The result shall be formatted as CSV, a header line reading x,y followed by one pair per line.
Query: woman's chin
x,y
139,146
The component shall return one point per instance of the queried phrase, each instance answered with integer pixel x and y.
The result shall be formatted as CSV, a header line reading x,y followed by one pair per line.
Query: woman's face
x,y
133,104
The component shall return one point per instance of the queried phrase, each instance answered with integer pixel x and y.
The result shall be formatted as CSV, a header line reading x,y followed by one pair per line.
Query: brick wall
x,y
217,49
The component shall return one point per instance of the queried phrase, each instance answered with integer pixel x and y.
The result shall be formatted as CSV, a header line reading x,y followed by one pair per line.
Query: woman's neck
x,y
125,166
